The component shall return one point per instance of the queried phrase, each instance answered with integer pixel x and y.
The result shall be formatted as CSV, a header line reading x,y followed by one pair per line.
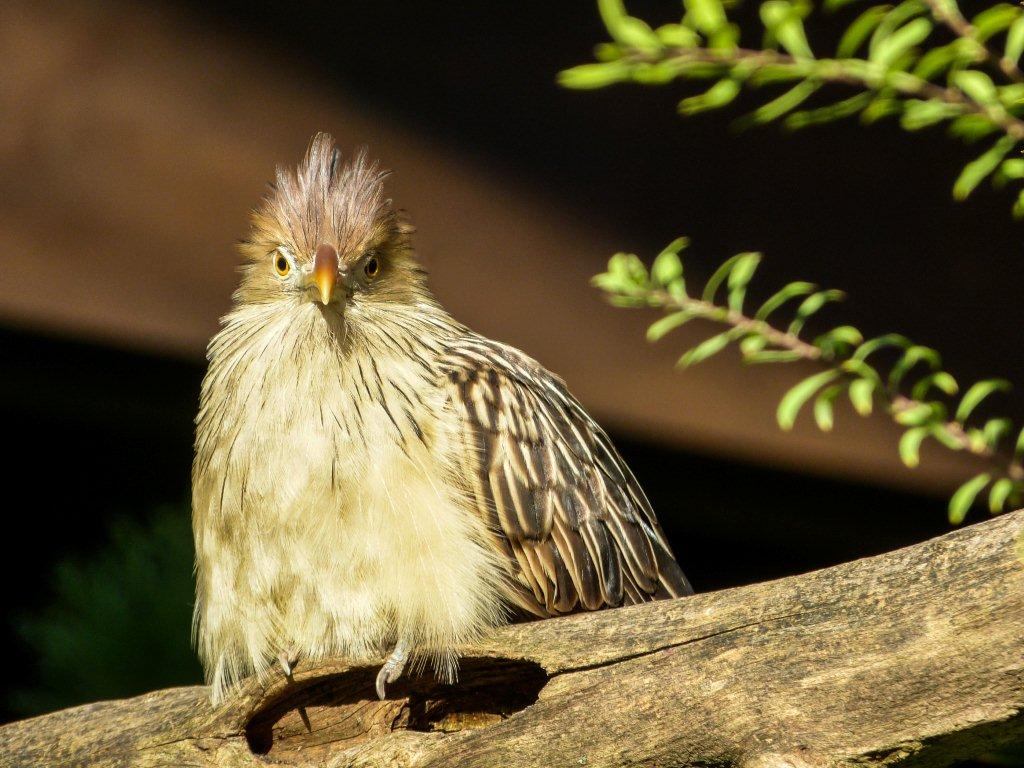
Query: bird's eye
x,y
372,267
281,264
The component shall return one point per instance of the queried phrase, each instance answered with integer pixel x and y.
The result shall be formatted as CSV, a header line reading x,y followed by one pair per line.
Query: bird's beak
x,y
325,271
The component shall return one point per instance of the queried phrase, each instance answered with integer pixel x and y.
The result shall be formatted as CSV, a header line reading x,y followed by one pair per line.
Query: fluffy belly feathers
x,y
313,544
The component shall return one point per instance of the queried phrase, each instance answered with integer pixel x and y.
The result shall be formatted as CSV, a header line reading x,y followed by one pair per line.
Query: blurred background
x,y
135,138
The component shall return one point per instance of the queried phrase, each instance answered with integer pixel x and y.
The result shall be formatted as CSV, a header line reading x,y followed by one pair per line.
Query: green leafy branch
x,y
887,54
913,390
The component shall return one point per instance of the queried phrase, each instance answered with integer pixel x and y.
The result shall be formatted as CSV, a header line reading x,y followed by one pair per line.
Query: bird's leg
x,y
393,667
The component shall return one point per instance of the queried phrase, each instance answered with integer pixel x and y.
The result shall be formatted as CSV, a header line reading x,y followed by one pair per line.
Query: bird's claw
x,y
392,668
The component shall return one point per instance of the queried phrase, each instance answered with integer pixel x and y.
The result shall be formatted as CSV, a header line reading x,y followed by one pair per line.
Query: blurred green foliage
x,y
920,61
912,387
119,620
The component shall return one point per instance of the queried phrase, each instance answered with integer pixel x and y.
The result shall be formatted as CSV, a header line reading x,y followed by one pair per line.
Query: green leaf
x,y
777,107
861,396
739,277
781,297
810,305
910,445
915,415
860,30
972,127
668,323
719,275
705,349
587,76
871,346
1018,449
914,355
977,170
667,266
707,15
830,112
972,397
795,398
715,97
994,20
784,22
824,406
998,494
627,30
890,48
919,114
881,107
935,61
942,434
772,356
677,36
1015,40
752,344
965,496
994,430
939,379
844,334
977,85
1018,206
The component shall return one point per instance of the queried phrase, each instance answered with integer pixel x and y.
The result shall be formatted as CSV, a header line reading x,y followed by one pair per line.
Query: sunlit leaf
x,y
739,276
899,42
1015,40
977,170
778,107
781,297
587,76
824,405
913,355
939,379
719,275
795,398
707,15
998,494
860,30
862,396
972,397
810,305
964,497
668,323
667,266
784,21
717,96
704,350
910,445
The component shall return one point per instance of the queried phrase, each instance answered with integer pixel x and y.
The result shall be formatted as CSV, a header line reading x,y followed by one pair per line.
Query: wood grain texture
x,y
910,658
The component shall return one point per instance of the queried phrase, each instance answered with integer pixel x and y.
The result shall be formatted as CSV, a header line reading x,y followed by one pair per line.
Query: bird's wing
x,y
563,506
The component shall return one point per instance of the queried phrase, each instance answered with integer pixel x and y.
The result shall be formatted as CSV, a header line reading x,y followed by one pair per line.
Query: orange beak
x,y
325,271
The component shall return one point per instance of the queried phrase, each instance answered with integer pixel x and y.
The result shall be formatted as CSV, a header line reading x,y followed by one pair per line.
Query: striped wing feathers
x,y
577,529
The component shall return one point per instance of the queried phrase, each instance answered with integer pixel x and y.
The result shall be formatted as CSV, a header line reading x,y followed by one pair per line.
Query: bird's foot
x,y
392,668
287,660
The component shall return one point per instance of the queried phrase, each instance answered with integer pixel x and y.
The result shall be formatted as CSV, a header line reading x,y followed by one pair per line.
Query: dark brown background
x,y
135,137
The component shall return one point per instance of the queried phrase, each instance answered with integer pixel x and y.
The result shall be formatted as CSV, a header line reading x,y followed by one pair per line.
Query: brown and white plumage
x,y
372,475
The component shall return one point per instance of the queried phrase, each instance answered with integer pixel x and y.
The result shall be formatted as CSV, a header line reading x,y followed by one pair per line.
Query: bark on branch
x,y
915,657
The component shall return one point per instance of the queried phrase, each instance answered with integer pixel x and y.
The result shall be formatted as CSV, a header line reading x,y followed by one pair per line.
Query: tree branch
x,y
912,657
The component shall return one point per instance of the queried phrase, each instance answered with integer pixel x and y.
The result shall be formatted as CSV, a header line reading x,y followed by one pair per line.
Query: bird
x,y
374,480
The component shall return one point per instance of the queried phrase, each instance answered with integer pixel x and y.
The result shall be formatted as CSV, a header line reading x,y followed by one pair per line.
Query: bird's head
x,y
326,239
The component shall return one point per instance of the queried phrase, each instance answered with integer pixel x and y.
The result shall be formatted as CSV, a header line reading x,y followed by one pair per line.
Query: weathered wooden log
x,y
915,657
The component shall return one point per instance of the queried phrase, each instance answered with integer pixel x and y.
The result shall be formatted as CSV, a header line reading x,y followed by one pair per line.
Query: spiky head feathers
x,y
325,202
